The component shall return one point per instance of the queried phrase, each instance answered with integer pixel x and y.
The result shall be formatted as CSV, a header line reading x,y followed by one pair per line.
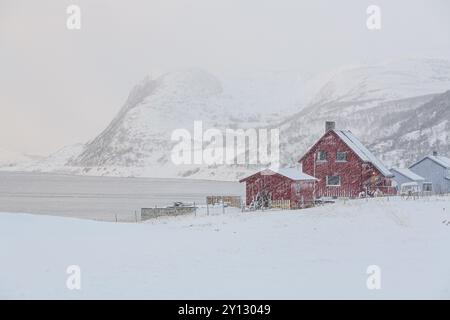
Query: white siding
x,y
433,172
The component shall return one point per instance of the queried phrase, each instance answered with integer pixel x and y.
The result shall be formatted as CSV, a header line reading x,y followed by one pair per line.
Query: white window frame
x,y
320,160
297,188
428,184
333,185
344,152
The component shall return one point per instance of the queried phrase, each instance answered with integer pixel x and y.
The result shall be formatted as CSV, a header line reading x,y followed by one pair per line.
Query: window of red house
x,y
321,156
297,188
341,156
333,181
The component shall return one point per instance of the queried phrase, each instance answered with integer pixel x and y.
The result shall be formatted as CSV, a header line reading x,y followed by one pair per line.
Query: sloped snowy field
x,y
322,252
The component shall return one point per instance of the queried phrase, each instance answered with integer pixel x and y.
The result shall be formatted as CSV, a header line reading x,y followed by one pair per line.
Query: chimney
x,y
435,153
330,125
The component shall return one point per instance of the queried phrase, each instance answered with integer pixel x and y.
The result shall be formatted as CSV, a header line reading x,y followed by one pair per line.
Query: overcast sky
x,y
58,87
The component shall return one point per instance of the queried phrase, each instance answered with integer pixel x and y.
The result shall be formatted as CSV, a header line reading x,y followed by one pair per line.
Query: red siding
x,y
355,174
280,188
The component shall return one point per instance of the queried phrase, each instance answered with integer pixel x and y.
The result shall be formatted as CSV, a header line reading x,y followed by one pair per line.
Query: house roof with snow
x,y
407,174
361,151
440,160
291,173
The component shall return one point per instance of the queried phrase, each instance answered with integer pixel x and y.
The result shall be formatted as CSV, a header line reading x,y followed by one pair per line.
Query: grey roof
x,y
443,161
291,173
408,174
361,151
440,160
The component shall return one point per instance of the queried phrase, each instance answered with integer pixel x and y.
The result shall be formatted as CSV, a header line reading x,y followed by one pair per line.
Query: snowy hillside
x,y
138,140
373,102
386,81
419,132
381,104
319,253
10,158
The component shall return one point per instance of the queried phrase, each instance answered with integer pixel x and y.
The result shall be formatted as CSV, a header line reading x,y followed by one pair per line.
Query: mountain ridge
x,y
377,103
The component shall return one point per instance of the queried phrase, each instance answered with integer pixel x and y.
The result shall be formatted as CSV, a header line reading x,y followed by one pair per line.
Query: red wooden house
x,y
344,167
289,184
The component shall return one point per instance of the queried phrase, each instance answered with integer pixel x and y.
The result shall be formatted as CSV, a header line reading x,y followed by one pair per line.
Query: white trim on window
x,y
333,185
427,187
341,152
321,152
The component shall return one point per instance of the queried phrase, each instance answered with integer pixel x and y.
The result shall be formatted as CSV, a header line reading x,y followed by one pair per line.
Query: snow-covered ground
x,y
322,252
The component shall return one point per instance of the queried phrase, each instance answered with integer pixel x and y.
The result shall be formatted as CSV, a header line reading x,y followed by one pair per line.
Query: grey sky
x,y
59,86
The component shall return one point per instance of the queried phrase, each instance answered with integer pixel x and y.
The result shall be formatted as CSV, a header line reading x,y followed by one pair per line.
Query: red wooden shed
x,y
271,186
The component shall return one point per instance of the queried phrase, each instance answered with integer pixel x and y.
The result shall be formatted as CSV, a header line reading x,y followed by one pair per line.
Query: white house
x,y
405,175
435,169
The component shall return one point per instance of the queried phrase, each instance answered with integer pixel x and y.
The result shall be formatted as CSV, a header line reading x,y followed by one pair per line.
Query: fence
x,y
281,204
152,213
232,201
338,192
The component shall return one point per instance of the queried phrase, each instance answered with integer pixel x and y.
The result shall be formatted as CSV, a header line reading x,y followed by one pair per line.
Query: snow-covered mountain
x,y
398,108
10,158
386,81
55,162
138,140
417,132
372,102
